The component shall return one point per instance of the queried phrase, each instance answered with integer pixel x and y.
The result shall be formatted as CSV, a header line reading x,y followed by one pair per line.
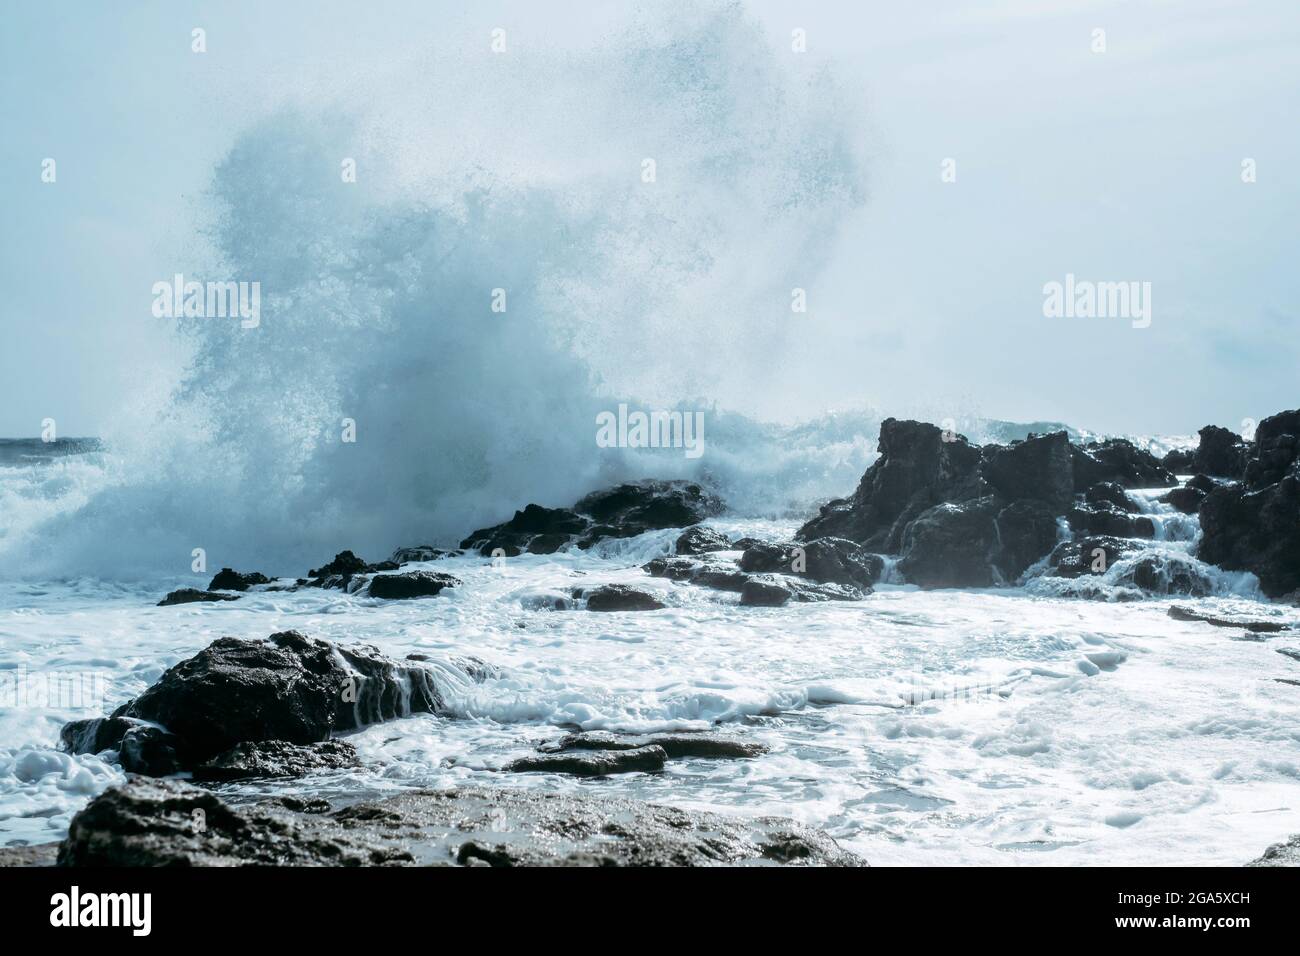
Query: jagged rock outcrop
x,y
1120,461
917,469
228,579
619,512
1254,525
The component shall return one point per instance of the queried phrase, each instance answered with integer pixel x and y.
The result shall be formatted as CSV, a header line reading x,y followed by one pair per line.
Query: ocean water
x,y
1022,725
985,726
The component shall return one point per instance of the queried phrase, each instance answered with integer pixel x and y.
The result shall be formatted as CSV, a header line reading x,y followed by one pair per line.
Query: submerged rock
x,y
593,763
619,597
1254,625
156,823
410,584
193,595
675,746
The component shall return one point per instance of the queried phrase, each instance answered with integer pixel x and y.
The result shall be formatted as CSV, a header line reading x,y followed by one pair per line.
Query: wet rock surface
x,y
593,763
228,579
699,540
675,746
619,597
275,758
156,823
289,688
1286,853
1180,613
194,595
620,512
410,584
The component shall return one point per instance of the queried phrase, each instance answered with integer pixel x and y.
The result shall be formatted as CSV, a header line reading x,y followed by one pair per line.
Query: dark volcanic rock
x,y
163,822
593,763
552,528
1280,854
1105,518
676,746
1169,574
1120,461
620,597
637,507
345,564
916,469
824,560
1039,467
773,591
1256,626
1221,452
143,747
699,540
227,579
420,552
951,545
1185,499
1026,531
275,758
410,584
1112,493
192,595
340,572
290,688
674,569
1093,555
1256,531
620,512
1277,445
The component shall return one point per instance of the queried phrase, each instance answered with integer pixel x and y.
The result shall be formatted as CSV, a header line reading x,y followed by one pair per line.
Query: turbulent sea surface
x,y
985,726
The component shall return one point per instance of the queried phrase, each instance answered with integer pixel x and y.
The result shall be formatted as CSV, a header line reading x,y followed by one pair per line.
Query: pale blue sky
x,y
1123,165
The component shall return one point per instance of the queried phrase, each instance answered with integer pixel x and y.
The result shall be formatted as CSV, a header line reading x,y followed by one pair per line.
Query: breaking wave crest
x,y
475,174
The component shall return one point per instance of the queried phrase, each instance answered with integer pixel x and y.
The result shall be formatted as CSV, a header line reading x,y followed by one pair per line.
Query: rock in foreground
x,y
168,823
289,688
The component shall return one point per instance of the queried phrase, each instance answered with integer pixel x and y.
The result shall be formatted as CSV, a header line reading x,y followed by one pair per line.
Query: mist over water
x,y
478,172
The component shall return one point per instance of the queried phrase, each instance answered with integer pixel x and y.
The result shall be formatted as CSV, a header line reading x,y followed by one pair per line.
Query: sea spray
x,y
475,173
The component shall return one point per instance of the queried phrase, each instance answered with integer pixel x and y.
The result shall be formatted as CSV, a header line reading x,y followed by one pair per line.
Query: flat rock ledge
x,y
149,822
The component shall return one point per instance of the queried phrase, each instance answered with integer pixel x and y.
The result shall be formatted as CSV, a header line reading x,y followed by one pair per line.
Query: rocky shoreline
x,y
934,510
